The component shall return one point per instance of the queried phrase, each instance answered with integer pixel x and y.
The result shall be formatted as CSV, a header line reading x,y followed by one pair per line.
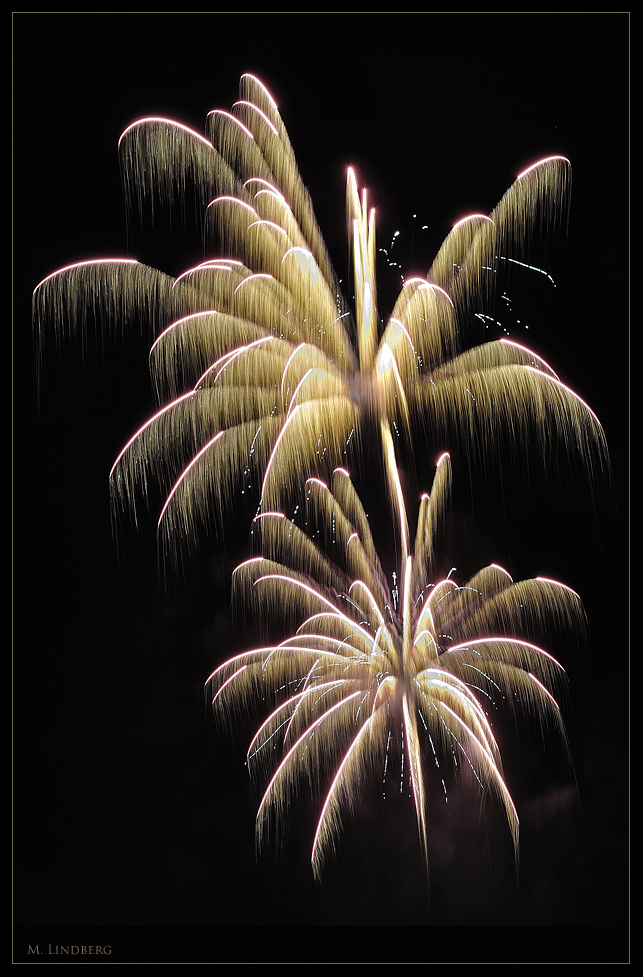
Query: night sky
x,y
133,816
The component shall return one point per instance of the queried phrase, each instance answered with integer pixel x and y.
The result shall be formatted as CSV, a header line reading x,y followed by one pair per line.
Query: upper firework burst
x,y
261,369
368,672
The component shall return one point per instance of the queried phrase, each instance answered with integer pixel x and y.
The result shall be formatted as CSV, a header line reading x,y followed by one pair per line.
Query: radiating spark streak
x,y
260,84
540,162
294,700
85,264
396,487
304,649
385,683
261,114
302,739
317,595
413,281
233,118
252,753
484,747
250,278
421,634
263,654
185,472
279,197
406,606
270,224
319,617
424,284
475,642
502,569
564,386
284,428
253,559
414,763
543,689
401,326
298,250
523,264
470,217
224,361
231,662
220,366
426,616
375,650
148,423
204,266
447,580
260,179
288,362
362,586
264,515
297,389
530,352
179,322
319,639
307,257
557,583
169,122
310,590
349,753
317,481
268,186
234,200
436,675
227,682
436,288
461,692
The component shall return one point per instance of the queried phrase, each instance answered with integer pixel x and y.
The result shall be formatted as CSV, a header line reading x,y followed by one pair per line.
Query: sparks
x,y
368,666
395,670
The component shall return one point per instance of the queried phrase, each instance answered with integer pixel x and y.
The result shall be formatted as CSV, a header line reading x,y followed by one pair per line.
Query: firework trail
x,y
366,669
261,369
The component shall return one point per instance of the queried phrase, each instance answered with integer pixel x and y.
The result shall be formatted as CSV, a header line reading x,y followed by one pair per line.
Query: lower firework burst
x,y
366,667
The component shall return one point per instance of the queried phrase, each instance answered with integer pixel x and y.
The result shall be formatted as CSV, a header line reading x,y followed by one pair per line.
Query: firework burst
x,y
368,669
261,369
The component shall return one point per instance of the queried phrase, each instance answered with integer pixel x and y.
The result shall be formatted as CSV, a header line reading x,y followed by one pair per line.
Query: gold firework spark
x,y
261,370
365,667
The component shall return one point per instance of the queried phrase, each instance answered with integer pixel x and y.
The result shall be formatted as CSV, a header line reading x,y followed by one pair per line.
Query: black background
x,y
133,819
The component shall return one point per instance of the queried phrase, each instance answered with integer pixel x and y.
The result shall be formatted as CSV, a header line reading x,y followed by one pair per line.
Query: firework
x,y
367,669
262,370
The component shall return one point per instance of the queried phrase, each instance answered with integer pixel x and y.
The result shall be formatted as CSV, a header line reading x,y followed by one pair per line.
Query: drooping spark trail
x,y
354,672
270,351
